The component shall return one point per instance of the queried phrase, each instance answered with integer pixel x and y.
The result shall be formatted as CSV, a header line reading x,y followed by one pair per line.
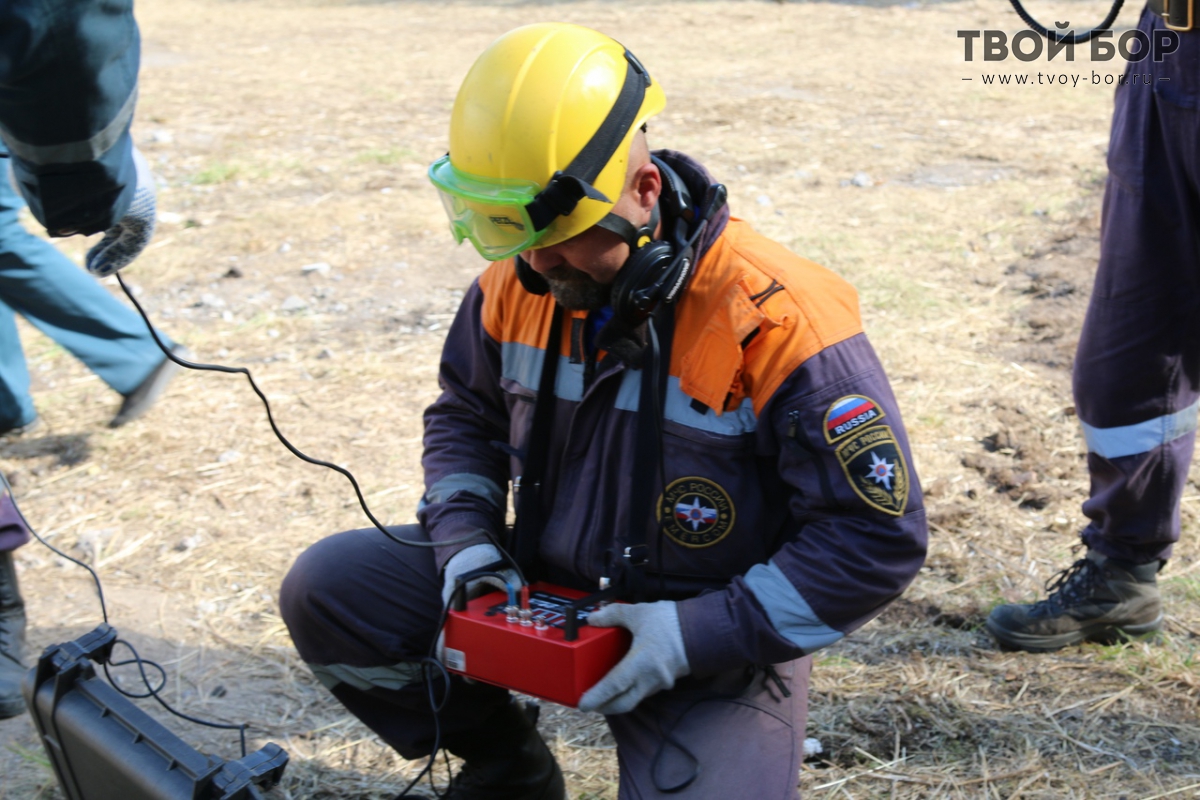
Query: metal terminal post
x,y
526,616
510,614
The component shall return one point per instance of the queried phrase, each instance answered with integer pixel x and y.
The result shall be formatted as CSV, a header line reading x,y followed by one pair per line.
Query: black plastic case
x,y
103,747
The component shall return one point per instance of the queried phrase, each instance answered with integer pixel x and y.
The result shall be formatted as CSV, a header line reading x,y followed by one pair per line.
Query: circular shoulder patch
x,y
695,512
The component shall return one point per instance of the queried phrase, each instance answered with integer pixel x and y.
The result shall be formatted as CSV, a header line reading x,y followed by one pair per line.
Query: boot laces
x,y
1073,586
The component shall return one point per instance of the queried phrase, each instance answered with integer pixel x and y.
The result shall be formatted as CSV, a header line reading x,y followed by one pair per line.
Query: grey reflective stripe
x,y
790,614
1129,440
523,364
76,152
679,408
396,676
477,485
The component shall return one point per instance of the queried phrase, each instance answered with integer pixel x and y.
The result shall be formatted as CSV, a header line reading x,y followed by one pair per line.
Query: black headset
x,y
657,269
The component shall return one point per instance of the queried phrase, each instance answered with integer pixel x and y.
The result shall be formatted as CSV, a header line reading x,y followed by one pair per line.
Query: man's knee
x,y
318,572
361,591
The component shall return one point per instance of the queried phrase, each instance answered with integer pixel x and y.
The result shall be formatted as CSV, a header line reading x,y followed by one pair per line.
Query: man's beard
x,y
577,290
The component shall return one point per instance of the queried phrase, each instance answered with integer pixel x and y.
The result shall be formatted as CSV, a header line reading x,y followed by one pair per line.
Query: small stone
x,y
319,266
292,304
862,180
187,543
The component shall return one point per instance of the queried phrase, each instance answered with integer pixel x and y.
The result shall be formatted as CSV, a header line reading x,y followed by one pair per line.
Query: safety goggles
x,y
503,217
492,213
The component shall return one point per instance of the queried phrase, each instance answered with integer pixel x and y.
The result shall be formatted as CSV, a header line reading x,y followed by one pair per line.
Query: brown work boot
x,y
506,759
12,639
1096,599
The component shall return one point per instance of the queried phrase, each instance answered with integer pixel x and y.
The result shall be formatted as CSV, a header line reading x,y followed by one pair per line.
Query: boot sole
x,y
1105,634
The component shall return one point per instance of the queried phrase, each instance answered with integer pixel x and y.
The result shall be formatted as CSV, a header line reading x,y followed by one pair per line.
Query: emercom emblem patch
x,y
875,468
696,512
849,414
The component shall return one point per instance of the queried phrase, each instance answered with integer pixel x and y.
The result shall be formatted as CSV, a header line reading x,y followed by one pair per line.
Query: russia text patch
x,y
695,512
875,468
848,414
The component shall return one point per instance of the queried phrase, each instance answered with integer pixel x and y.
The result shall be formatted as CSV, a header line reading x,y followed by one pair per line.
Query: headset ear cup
x,y
638,286
533,282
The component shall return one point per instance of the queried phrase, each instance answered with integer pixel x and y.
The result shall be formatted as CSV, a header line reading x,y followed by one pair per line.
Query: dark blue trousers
x,y
1137,368
363,610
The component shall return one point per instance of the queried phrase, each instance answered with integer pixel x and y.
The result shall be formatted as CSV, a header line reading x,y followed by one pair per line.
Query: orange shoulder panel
x,y
511,314
747,283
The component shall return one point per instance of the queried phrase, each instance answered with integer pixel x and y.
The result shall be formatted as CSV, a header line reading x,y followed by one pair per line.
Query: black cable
x,y
151,691
659,426
1075,38
279,434
55,550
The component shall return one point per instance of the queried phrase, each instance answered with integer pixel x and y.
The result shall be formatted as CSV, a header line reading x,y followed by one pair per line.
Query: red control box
x,y
534,658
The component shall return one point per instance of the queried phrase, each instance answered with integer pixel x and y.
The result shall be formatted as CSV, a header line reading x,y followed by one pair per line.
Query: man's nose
x,y
543,260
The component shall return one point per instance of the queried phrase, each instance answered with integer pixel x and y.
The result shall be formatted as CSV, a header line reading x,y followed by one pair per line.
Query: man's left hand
x,y
655,660
123,242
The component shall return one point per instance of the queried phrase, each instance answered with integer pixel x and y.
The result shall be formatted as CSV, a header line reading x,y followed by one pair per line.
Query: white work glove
x,y
656,658
471,558
123,242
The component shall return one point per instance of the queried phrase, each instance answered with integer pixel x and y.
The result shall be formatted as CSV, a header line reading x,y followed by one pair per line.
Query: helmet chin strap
x,y
636,238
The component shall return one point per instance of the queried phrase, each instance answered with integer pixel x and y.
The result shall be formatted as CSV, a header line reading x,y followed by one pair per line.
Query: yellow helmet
x,y
540,136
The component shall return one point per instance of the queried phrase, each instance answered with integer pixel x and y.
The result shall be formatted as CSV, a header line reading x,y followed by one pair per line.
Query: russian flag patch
x,y
848,414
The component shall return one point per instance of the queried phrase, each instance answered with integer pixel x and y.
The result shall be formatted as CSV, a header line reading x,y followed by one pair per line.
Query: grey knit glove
x,y
470,558
656,658
123,242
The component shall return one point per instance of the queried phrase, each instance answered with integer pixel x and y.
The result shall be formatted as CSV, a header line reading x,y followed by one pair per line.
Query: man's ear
x,y
646,185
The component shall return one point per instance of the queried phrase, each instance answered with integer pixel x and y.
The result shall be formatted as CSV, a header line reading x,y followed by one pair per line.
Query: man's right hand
x,y
472,558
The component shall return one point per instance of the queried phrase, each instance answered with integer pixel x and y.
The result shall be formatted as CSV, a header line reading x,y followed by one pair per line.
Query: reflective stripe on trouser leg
x,y
740,732
362,610
1137,368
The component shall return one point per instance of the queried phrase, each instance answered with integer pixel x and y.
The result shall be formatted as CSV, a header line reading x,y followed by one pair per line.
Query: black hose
x,y
1075,38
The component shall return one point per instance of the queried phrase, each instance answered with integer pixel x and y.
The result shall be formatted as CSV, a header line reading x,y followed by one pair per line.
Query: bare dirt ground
x,y
293,134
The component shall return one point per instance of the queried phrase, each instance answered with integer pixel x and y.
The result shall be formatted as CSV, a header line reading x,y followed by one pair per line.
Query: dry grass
x,y
288,134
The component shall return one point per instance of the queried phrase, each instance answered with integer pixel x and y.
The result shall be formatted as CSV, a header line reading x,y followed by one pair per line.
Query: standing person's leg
x,y
363,610
1136,374
16,406
739,734
71,307
1137,368
13,534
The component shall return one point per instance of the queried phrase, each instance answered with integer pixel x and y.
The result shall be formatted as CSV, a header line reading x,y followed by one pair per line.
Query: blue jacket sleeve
x,y
466,476
68,86
860,533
